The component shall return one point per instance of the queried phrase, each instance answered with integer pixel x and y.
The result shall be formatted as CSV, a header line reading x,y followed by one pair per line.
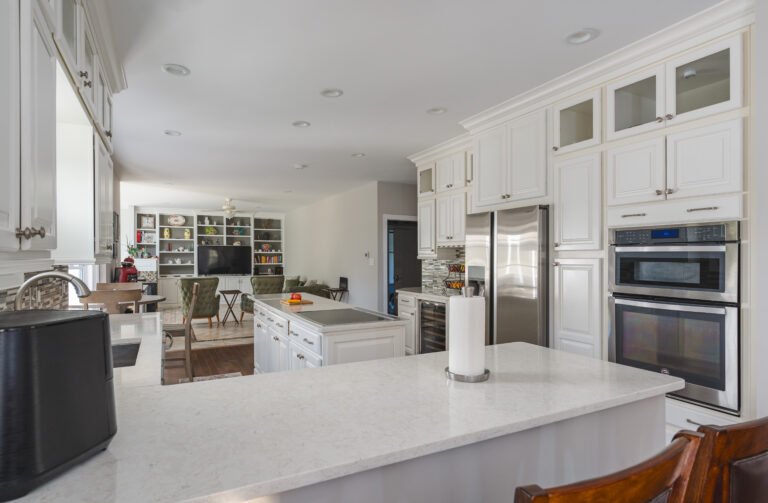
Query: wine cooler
x,y
433,327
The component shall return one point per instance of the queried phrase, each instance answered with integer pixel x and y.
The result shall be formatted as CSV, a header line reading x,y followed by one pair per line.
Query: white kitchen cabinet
x,y
409,315
426,180
700,83
10,125
636,104
279,352
527,151
706,160
426,228
103,186
169,288
577,123
511,162
636,173
66,33
87,63
451,216
38,129
489,184
578,203
300,358
451,172
260,361
578,306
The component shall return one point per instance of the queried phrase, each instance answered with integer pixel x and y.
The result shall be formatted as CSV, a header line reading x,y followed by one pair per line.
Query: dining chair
x,y
185,330
208,301
660,479
732,464
113,301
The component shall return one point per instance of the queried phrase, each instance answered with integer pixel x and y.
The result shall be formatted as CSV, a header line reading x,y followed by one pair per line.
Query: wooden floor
x,y
213,361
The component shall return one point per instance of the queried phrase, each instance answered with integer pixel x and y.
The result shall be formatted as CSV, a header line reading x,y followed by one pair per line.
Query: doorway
x,y
403,266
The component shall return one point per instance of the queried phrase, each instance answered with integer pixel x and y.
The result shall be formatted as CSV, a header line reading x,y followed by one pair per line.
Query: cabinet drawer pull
x,y
279,325
270,319
293,333
690,421
705,208
629,215
308,341
276,337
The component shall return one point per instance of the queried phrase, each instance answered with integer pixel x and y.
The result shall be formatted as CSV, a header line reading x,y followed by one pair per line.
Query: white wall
x,y
759,234
329,239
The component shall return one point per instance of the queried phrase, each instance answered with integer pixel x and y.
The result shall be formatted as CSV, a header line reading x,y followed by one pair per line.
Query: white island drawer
x,y
278,324
306,338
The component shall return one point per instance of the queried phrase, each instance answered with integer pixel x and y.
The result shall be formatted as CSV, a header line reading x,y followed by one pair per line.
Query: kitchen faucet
x,y
81,288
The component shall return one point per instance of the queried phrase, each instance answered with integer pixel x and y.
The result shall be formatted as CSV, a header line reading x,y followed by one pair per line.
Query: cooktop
x,y
342,316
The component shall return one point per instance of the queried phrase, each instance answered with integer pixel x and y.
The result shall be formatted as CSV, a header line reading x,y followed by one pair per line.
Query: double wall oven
x,y
675,307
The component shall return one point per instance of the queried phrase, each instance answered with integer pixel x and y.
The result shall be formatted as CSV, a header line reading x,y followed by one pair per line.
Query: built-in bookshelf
x,y
176,244
146,234
267,246
238,231
210,230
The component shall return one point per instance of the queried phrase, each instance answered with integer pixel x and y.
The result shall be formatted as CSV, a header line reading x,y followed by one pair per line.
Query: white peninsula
x,y
326,332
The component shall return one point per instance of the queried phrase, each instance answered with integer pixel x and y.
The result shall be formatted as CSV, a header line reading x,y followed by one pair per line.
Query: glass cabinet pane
x,y
703,82
69,24
576,123
635,104
425,181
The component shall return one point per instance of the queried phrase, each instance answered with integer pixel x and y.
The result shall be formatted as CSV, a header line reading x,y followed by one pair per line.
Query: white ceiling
x,y
257,66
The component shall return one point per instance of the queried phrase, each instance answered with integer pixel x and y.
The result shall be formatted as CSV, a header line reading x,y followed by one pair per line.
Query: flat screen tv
x,y
224,260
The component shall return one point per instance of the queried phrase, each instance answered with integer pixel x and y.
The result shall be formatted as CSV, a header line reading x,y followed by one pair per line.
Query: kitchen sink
x,y
124,355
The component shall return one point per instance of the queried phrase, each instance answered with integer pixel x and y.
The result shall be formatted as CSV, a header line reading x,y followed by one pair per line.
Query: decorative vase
x,y
187,234
167,233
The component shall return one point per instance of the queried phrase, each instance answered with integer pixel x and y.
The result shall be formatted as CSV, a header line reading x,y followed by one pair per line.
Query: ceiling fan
x,y
228,208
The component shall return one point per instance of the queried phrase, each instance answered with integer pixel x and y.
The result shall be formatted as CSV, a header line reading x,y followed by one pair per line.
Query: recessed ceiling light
x,y
301,124
332,92
582,36
177,70
301,166
358,155
172,132
436,111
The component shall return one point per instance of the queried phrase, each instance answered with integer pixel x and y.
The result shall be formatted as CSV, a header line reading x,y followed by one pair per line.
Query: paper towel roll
x,y
466,335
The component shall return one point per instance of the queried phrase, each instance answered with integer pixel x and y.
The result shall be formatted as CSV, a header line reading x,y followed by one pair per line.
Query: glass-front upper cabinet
x,y
636,104
577,123
65,36
426,180
706,81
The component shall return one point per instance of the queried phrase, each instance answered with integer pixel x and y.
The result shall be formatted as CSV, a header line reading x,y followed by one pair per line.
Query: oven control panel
x,y
690,234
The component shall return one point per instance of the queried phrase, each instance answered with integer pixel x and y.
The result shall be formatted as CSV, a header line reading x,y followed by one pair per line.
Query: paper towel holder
x,y
462,378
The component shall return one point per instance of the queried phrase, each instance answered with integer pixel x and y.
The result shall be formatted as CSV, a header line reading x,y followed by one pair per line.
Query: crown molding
x,y
717,21
461,142
100,16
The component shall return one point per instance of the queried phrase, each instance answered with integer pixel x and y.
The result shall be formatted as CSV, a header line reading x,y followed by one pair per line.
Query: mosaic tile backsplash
x,y
53,293
434,271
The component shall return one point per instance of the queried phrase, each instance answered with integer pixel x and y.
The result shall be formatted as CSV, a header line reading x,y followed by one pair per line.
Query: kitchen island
x,y
377,431
325,332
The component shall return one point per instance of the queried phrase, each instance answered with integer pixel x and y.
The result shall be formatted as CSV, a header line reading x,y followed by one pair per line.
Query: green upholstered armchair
x,y
260,285
207,305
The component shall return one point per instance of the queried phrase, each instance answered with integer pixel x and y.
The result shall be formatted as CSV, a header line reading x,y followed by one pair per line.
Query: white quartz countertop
x,y
435,294
236,439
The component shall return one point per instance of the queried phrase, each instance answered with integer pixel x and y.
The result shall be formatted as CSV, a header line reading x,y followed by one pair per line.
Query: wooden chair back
x,y
732,464
113,301
661,479
118,286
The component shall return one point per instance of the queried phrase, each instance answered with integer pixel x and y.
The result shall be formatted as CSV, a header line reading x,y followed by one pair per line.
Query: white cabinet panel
x,y
169,288
578,301
451,172
528,156
10,132
578,204
636,104
489,184
38,129
636,173
443,221
458,204
409,315
103,186
706,160
426,228
577,123
350,347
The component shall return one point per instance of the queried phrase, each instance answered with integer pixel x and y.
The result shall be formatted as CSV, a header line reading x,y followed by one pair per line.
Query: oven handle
x,y
673,307
690,249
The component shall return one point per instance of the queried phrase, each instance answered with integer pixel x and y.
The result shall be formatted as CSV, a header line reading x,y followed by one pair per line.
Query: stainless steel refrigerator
x,y
507,258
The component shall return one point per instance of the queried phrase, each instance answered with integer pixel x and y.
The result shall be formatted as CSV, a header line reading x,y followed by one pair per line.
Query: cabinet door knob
x,y
659,192
557,245
555,264
108,133
554,148
669,117
659,119
671,191
28,233
83,74
87,83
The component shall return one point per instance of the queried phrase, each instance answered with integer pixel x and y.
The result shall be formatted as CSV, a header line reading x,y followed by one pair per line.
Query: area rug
x,y
211,378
